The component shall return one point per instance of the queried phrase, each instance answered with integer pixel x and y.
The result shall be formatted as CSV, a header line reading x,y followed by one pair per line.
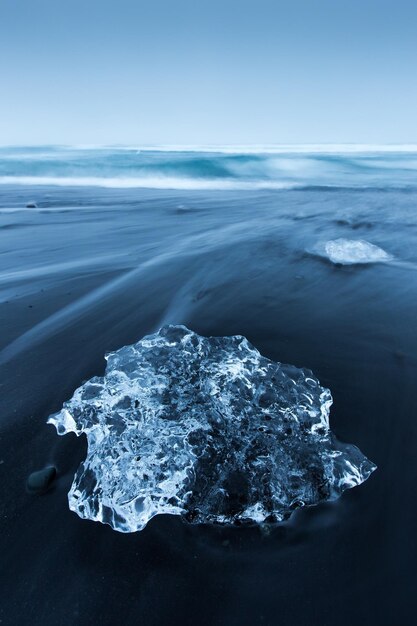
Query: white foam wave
x,y
145,183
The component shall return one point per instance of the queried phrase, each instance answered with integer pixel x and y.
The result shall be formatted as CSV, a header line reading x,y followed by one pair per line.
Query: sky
x,y
141,72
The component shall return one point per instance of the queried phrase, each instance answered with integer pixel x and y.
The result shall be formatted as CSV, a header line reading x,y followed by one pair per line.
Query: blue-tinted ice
x,y
352,252
205,428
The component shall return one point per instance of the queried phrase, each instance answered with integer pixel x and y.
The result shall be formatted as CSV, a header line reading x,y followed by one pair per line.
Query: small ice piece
x,y
353,251
205,428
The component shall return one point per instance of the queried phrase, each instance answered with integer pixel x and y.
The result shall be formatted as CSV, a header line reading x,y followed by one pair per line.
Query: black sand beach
x,y
89,270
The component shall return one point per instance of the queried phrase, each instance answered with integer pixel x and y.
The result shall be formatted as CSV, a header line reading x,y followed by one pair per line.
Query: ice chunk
x,y
205,428
352,251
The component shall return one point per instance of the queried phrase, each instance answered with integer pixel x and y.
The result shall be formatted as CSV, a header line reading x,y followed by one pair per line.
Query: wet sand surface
x,y
90,270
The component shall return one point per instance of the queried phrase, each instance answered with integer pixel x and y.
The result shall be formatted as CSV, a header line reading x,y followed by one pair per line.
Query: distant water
x,y
218,167
228,246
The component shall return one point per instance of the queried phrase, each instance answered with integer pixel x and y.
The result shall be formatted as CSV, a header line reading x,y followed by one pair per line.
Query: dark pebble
x,y
40,481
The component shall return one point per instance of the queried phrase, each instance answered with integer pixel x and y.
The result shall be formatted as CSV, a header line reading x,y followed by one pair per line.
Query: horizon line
x,y
225,147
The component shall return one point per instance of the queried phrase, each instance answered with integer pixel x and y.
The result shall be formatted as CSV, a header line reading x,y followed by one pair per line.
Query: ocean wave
x,y
212,168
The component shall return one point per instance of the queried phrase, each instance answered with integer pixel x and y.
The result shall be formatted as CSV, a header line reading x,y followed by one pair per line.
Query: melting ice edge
x,y
205,428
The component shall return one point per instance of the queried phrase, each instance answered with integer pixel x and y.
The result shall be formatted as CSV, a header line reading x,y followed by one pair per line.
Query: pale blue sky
x,y
182,71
